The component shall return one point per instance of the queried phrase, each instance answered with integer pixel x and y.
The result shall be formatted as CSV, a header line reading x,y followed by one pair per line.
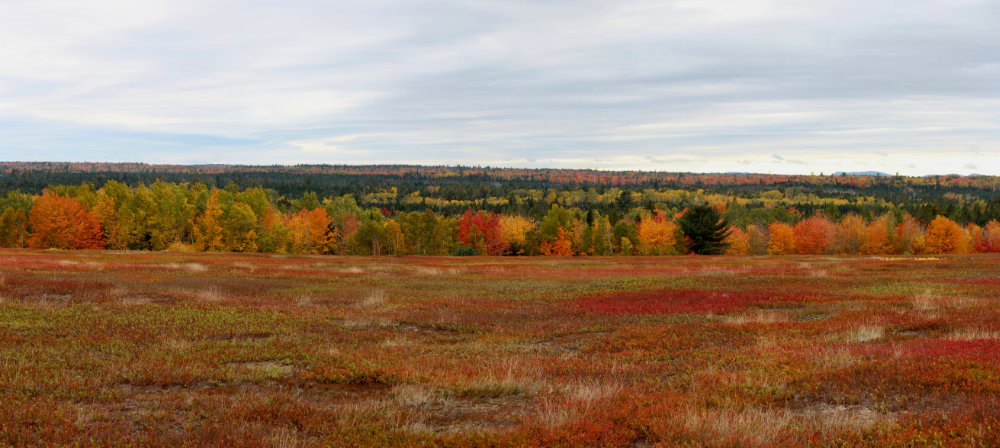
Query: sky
x,y
797,87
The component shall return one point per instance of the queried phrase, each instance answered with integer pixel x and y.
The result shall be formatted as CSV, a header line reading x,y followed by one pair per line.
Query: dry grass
x,y
373,299
304,300
194,268
757,317
863,333
766,427
286,437
591,393
210,294
834,358
414,395
970,334
931,301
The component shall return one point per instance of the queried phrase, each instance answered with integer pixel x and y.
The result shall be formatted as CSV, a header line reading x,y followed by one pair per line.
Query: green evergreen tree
x,y
705,230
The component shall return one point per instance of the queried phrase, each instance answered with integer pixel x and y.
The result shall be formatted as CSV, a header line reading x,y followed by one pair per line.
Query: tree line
x,y
196,217
749,198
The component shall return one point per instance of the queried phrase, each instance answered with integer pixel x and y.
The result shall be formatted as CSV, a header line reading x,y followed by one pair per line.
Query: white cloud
x,y
711,85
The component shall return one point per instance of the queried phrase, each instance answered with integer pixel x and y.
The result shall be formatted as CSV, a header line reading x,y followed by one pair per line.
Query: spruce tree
x,y
705,230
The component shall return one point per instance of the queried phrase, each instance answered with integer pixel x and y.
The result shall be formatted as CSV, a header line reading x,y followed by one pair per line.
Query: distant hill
x,y
454,182
862,173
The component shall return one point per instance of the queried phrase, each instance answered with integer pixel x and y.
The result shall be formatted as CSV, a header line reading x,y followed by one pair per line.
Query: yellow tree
x,y
851,234
395,242
782,239
208,232
739,242
514,232
657,235
601,236
240,228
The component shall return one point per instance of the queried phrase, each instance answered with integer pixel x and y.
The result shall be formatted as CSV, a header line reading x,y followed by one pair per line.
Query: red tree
x,y
990,239
482,232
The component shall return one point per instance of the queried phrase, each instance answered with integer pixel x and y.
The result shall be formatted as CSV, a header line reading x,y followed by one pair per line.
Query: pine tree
x,y
705,230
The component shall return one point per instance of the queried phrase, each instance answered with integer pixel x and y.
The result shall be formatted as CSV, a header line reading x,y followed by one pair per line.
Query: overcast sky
x,y
696,85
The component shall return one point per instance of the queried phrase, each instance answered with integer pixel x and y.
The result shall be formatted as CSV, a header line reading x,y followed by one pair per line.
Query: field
x,y
118,348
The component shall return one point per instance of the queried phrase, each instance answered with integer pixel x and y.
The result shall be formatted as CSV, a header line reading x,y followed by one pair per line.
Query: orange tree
x,y
782,239
62,222
944,236
814,235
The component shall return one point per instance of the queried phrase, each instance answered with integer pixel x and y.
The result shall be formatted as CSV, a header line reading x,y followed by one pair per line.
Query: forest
x,y
411,210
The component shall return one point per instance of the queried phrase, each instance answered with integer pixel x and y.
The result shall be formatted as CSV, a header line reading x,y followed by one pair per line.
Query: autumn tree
x,y
208,232
370,239
601,236
13,228
239,231
514,232
309,231
481,231
989,239
758,239
426,233
107,209
554,227
62,222
270,232
944,236
153,217
909,236
395,242
879,235
814,235
557,218
705,230
561,246
851,232
738,242
781,240
657,235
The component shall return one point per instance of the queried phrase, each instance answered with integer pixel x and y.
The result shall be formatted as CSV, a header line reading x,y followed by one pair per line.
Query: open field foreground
x,y
114,348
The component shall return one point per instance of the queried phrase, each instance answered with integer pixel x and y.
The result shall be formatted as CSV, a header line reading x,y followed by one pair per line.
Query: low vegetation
x,y
167,348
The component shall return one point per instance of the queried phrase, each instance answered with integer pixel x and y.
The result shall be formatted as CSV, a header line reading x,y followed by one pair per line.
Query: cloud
x,y
704,85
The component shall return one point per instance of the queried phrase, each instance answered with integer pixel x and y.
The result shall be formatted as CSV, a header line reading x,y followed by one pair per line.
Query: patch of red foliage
x,y
983,351
682,301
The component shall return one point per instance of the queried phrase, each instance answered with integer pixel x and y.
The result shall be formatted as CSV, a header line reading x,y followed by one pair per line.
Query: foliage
x,y
482,231
255,219
62,222
815,235
944,236
781,239
657,235
705,230
235,349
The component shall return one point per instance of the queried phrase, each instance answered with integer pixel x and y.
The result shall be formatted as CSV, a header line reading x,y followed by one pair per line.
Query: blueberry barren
x,y
169,349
